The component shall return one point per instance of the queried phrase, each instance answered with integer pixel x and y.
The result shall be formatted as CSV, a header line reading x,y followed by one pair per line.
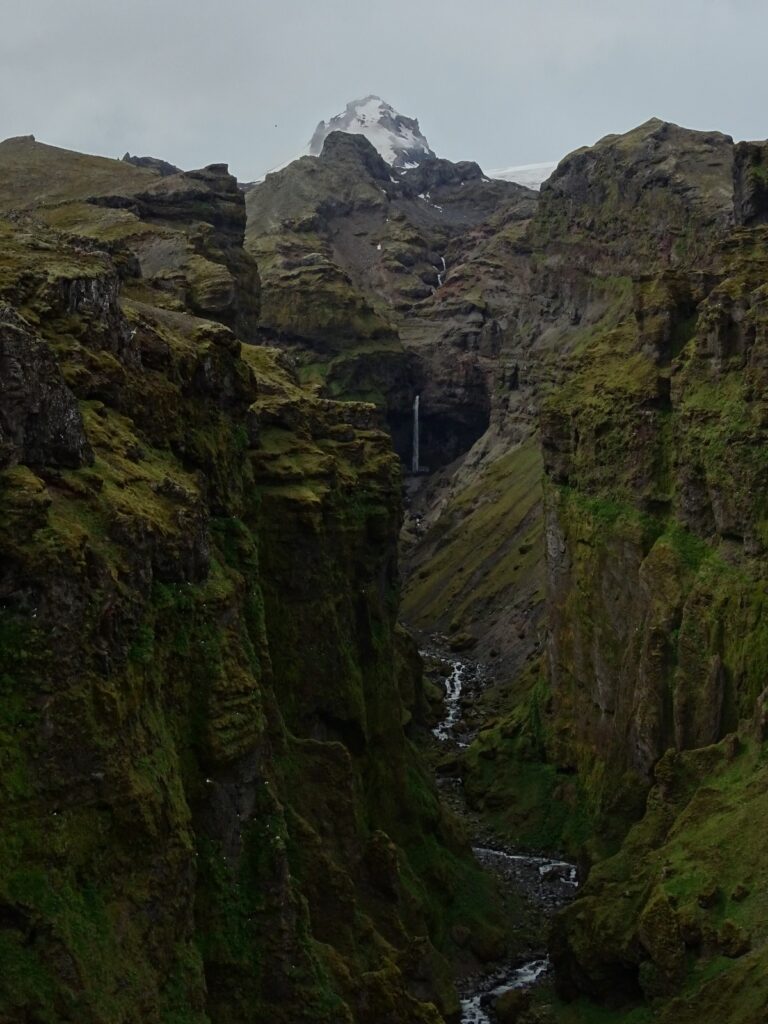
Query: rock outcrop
x,y
40,420
356,262
153,163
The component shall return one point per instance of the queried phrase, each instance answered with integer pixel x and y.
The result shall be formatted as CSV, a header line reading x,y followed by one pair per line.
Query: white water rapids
x,y
472,1009
453,684
549,870
549,883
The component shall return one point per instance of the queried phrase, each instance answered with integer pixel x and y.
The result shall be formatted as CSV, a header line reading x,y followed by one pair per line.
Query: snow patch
x,y
398,139
530,175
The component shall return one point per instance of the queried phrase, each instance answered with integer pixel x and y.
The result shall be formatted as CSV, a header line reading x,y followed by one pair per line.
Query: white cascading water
x,y
550,879
473,1010
416,456
562,869
554,879
453,683
441,276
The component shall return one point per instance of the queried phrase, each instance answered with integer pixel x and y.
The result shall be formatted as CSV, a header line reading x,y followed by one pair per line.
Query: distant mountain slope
x,y
401,143
357,263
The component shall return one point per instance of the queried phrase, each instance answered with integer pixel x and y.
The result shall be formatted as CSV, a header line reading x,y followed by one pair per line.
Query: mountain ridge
x,y
397,139
400,141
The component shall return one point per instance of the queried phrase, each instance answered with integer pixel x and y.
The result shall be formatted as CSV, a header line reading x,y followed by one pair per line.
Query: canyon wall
x,y
211,808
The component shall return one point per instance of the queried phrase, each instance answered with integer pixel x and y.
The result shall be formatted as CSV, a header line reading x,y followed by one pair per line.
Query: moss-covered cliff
x,y
656,546
648,708
210,807
637,741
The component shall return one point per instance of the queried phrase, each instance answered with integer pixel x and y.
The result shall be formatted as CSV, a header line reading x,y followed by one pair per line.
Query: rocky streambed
x,y
547,884
462,680
544,883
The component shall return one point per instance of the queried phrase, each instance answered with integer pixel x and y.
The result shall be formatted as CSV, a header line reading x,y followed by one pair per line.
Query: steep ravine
x,y
212,811
634,734
215,798
590,373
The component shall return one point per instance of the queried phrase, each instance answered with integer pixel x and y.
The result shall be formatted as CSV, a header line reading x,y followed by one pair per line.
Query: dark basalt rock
x,y
210,195
40,421
356,150
751,183
434,173
153,163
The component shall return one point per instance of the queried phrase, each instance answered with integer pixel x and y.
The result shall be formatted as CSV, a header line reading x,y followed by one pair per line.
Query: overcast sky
x,y
498,81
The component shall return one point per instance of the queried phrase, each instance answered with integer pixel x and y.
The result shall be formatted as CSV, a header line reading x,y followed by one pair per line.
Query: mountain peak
x,y
398,139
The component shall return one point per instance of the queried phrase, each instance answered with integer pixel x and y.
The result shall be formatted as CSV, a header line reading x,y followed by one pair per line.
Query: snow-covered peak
x,y
398,139
531,175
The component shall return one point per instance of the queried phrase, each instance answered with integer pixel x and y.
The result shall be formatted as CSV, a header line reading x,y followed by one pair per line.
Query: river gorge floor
x,y
534,885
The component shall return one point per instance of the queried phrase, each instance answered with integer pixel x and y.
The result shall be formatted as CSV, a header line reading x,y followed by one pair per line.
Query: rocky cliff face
x,y
356,261
211,810
599,293
398,139
635,450
655,504
634,313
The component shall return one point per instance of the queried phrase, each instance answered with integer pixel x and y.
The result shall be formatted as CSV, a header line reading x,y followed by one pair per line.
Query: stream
x,y
546,883
454,682
495,985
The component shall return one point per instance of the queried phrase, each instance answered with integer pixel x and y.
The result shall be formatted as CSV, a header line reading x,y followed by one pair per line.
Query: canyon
x,y
259,446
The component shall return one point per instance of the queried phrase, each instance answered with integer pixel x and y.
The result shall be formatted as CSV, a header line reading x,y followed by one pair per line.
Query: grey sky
x,y
498,81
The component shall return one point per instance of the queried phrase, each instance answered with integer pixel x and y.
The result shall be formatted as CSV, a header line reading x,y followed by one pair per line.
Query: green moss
x,y
509,778
143,646
697,851
581,1011
217,588
484,545
690,549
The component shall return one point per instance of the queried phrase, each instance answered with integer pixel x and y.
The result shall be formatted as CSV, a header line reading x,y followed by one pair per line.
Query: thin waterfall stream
x,y
416,456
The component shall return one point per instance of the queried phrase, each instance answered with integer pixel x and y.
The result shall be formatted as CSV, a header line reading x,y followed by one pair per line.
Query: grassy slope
x,y
486,544
32,173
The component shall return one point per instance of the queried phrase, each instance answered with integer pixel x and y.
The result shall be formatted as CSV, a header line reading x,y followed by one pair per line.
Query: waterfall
x,y
440,276
415,460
